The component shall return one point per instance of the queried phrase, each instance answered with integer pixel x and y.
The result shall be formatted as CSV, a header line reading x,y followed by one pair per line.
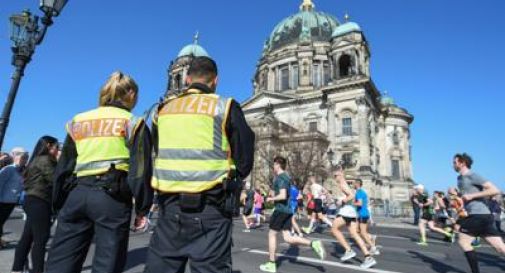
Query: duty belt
x,y
193,201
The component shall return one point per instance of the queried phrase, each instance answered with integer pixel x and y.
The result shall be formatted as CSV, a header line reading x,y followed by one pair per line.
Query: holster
x,y
191,201
115,185
232,188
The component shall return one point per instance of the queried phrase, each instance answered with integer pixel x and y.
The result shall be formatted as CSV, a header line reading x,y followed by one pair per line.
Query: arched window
x,y
294,77
395,168
264,80
326,73
345,65
178,82
284,78
347,126
316,75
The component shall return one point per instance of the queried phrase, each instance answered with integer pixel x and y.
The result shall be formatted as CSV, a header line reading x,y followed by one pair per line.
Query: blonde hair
x,y
117,88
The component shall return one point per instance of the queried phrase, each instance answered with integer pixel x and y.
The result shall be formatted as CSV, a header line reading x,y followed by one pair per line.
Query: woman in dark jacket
x,y
38,187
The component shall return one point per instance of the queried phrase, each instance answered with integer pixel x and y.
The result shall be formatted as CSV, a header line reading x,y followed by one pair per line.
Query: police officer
x,y
202,145
101,156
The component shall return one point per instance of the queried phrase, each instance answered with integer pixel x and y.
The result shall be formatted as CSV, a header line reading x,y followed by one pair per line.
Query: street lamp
x,y
26,35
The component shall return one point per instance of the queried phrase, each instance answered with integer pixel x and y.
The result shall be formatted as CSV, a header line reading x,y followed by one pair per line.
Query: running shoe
x,y
369,262
318,248
476,243
268,267
246,230
348,255
306,230
453,237
374,251
422,243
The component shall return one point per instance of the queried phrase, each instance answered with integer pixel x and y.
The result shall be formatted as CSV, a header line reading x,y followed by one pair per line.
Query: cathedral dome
x,y
193,50
306,25
345,29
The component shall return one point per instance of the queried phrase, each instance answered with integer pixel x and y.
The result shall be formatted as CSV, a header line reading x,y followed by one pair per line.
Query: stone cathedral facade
x,y
314,102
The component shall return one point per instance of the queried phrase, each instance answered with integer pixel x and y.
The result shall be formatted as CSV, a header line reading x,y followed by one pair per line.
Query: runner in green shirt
x,y
425,203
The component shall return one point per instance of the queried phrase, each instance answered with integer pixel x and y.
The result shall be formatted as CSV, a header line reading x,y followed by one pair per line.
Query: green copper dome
x,y
345,29
193,49
386,100
306,25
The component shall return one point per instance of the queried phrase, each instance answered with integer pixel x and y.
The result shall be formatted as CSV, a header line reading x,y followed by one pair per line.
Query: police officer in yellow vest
x,y
101,168
202,143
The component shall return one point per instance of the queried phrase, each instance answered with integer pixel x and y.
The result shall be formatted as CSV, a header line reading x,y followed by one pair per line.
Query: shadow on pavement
x,y
136,257
436,265
295,252
491,260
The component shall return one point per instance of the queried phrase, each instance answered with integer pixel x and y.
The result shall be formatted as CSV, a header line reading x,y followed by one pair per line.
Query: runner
x,y
479,223
347,216
441,215
281,218
258,206
247,199
310,203
361,202
317,214
426,205
293,205
299,199
456,208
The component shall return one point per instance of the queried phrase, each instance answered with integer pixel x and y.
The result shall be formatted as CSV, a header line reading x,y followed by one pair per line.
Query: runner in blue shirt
x,y
361,203
293,205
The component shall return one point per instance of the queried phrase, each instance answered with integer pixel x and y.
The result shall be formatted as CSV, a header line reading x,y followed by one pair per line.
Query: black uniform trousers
x,y
90,211
203,238
5,212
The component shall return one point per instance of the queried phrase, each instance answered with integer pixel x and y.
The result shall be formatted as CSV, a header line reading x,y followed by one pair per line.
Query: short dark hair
x,y
359,181
203,67
465,158
281,161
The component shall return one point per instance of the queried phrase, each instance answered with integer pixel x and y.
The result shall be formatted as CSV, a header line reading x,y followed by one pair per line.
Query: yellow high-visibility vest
x,y
101,138
193,150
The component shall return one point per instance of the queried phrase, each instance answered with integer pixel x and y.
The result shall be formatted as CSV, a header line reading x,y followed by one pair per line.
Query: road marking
x,y
379,236
313,260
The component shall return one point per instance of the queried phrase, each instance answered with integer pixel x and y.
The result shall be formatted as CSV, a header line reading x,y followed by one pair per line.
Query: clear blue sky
x,y
442,60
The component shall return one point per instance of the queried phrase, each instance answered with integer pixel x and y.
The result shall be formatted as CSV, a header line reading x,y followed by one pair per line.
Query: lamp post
x,y
26,35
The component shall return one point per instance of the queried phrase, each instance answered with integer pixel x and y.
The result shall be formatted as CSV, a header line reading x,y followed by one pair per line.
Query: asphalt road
x,y
399,253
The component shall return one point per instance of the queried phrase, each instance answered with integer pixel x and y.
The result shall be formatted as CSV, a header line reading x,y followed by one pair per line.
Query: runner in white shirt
x,y
317,191
347,216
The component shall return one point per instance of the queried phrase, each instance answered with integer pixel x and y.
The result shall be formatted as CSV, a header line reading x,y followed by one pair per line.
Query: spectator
x,y
11,185
5,159
38,186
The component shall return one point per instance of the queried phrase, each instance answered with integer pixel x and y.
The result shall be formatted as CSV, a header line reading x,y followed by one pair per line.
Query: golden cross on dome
x,y
195,38
347,17
307,5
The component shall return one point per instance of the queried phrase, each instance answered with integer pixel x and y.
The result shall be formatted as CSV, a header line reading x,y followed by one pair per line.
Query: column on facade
x,y
373,141
337,68
382,143
364,136
406,153
271,79
331,124
184,75
362,65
